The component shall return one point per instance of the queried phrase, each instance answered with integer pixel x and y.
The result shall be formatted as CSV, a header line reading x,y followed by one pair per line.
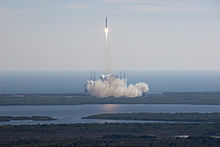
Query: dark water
x,y
72,113
73,81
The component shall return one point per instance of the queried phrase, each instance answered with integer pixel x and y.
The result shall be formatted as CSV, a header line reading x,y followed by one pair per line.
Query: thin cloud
x,y
169,8
80,6
123,1
76,6
13,15
165,6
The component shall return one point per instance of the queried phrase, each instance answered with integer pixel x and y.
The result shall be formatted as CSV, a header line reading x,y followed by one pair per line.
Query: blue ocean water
x,y
73,81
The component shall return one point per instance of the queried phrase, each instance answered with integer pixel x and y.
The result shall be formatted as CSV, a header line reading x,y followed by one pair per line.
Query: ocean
x,y
73,81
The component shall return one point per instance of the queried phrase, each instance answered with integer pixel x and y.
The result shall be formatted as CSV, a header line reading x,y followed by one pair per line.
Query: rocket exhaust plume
x,y
106,51
110,85
106,34
106,29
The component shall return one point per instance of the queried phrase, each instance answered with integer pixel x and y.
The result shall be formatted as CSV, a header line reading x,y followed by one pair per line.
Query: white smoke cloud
x,y
111,85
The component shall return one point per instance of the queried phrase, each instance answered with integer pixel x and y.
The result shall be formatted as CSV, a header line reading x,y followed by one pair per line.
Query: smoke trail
x,y
107,53
111,85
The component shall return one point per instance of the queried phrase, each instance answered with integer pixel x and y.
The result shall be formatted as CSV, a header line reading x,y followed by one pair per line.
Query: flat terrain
x,y
117,134
110,134
34,118
184,117
195,98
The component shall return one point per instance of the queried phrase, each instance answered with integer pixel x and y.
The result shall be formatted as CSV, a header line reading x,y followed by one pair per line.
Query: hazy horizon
x,y
74,81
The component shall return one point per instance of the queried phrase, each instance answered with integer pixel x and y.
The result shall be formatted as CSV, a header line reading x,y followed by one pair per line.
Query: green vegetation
x,y
186,117
136,129
195,98
112,134
197,141
34,118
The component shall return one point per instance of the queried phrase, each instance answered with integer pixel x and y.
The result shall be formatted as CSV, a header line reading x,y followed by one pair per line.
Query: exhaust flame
x,y
107,52
110,85
106,34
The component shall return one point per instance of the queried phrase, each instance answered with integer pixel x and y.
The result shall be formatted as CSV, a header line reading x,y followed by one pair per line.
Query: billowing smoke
x,y
110,85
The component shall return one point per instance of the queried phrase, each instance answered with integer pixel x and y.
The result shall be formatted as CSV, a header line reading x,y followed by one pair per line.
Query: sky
x,y
143,34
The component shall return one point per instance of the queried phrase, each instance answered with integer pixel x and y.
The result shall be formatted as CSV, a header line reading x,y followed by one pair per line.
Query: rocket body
x,y
106,29
106,22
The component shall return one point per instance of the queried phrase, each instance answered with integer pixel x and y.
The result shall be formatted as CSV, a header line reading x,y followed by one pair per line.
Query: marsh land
x,y
33,118
195,98
176,117
68,108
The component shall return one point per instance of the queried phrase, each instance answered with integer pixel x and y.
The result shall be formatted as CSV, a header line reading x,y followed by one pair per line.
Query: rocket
x,y
106,22
106,29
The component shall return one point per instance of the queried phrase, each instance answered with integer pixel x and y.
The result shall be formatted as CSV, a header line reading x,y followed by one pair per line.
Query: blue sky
x,y
144,34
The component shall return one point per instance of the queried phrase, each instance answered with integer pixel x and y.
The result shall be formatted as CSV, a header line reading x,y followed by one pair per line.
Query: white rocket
x,y
106,22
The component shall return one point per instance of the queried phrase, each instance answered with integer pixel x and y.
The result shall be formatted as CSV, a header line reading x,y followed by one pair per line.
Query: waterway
x,y
66,114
